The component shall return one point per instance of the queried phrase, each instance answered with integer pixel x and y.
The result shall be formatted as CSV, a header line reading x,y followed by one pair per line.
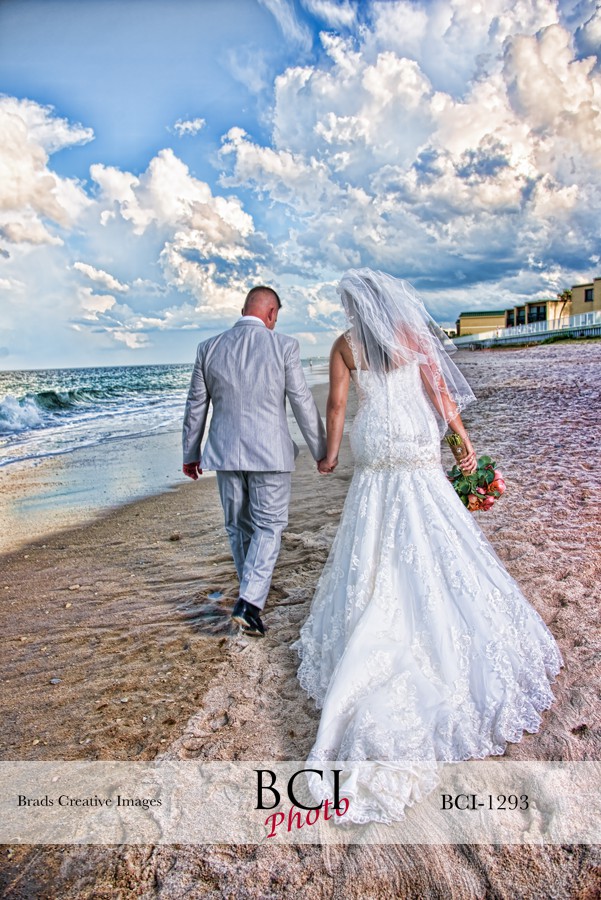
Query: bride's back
x,y
395,424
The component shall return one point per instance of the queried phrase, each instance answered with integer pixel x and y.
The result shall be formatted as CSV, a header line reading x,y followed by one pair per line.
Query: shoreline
x,y
53,494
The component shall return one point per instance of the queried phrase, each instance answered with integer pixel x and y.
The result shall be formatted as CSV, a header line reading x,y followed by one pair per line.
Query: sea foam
x,y
19,415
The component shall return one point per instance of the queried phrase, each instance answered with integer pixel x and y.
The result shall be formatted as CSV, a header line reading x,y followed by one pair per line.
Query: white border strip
x,y
496,801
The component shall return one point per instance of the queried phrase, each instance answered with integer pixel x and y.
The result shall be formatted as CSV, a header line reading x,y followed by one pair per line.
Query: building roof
x,y
484,312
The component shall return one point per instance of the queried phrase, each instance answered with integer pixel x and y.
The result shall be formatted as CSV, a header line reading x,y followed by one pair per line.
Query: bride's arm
x,y
436,389
449,412
340,377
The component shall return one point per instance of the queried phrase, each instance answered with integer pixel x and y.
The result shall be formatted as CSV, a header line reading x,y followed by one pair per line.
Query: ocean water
x,y
54,411
49,412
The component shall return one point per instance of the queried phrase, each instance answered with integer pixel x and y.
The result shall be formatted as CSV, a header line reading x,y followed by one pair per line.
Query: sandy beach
x,y
113,648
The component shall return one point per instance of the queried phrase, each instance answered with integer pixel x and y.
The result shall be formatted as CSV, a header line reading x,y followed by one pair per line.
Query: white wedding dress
x,y
419,647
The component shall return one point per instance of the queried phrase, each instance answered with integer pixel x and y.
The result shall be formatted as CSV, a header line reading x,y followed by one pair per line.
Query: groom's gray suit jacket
x,y
247,373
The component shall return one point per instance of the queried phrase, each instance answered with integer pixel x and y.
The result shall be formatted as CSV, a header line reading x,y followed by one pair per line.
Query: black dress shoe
x,y
247,617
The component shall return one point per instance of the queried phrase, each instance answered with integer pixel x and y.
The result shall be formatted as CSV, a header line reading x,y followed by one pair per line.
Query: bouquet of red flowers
x,y
480,490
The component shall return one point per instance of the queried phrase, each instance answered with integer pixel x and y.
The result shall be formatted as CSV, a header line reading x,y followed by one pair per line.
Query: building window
x,y
537,313
588,295
510,319
521,316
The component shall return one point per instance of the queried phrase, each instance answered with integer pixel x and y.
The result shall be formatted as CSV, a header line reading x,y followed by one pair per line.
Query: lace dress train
x,y
419,647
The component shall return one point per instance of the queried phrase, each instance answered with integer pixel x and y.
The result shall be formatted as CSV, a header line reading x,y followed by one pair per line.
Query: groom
x,y
247,373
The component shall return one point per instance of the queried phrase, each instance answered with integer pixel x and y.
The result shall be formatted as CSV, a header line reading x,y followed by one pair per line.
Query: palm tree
x,y
565,297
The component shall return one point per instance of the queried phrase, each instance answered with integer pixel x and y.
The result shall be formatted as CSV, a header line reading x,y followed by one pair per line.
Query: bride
x,y
419,646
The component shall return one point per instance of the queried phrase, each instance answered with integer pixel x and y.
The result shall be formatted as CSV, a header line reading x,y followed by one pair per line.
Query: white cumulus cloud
x,y
377,159
101,277
132,340
28,230
203,234
94,304
32,197
188,127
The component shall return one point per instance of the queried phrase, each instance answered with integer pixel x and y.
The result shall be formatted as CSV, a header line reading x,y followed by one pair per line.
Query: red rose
x,y
498,484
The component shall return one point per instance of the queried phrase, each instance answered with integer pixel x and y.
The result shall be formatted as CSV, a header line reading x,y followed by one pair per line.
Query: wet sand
x,y
149,666
39,497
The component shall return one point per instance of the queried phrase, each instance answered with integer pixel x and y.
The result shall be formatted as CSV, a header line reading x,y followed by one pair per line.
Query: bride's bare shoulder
x,y
340,342
342,348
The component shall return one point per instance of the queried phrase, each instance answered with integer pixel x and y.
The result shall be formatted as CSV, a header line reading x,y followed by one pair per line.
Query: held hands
x,y
192,470
326,466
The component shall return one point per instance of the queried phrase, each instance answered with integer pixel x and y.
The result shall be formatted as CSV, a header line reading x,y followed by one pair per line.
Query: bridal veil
x,y
389,327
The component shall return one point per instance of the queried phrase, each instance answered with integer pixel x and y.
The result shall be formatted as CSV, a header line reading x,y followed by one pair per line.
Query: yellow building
x,y
586,297
537,311
478,322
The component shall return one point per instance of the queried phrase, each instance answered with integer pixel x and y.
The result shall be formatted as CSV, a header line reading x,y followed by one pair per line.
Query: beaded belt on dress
x,y
388,465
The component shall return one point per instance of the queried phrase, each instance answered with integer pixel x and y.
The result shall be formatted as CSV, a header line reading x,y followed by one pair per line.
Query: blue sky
x,y
159,158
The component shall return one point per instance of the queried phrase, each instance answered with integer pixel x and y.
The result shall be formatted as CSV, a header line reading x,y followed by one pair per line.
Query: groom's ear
x,y
272,316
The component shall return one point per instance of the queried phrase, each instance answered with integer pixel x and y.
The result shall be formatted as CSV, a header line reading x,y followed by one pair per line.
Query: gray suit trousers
x,y
255,506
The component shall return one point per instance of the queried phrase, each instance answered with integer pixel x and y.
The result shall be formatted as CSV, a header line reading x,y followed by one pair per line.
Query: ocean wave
x,y
54,401
46,407
19,415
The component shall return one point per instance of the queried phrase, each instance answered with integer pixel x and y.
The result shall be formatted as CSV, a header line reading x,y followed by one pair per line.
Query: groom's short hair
x,y
261,289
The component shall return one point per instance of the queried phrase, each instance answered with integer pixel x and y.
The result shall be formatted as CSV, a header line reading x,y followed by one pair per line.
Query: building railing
x,y
550,326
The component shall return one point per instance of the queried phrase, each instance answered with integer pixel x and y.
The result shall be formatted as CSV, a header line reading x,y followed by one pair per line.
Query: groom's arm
x,y
195,417
302,403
